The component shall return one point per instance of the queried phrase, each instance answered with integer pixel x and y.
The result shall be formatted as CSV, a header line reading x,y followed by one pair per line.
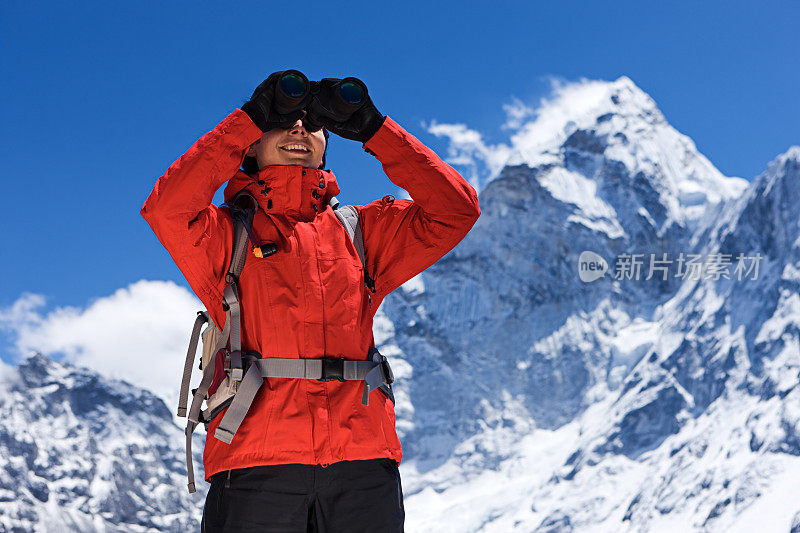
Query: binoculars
x,y
332,98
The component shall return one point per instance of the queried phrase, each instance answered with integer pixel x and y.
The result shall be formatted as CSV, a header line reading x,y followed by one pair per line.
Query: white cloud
x,y
516,114
467,149
568,105
21,312
139,334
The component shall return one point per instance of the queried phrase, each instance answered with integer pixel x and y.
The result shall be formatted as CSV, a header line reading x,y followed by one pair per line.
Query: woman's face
x,y
292,146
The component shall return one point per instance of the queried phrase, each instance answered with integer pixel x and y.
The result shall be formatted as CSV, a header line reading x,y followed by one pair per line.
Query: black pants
x,y
349,496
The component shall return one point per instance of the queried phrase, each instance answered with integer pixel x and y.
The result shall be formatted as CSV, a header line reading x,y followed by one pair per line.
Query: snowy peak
x,y
786,167
580,106
765,220
85,390
607,149
616,130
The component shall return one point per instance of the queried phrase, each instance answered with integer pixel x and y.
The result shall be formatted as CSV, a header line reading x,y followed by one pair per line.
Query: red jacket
x,y
307,300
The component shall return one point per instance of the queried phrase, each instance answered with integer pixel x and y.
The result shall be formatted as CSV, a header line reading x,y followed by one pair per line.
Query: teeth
x,y
295,147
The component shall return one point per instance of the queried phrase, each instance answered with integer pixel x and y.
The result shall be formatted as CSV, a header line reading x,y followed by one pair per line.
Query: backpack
x,y
232,376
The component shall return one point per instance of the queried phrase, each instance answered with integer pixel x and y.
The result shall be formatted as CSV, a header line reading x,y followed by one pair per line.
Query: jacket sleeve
x,y
197,234
404,237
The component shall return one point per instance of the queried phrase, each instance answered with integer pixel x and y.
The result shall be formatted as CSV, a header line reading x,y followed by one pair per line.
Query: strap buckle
x,y
236,373
332,369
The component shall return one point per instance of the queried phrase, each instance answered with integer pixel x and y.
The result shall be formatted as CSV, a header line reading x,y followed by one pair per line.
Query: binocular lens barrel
x,y
293,87
348,95
351,92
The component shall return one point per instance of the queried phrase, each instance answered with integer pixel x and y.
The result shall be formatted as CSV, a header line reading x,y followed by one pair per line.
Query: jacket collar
x,y
294,191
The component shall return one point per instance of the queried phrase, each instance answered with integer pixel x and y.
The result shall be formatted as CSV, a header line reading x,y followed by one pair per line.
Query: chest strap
x,y
376,374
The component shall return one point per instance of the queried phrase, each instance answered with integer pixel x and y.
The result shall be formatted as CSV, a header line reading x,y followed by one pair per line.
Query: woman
x,y
309,455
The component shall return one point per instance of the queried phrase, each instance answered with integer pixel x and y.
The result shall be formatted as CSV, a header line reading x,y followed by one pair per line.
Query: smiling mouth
x,y
296,149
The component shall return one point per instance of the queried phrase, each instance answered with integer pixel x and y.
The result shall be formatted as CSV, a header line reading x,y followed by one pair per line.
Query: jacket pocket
x,y
343,289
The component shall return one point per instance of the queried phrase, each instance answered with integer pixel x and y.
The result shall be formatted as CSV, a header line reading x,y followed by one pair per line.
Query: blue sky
x,y
98,98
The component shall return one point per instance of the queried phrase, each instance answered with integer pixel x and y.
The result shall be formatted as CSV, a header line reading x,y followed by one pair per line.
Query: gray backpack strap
x,y
348,216
197,401
231,298
238,408
183,395
242,208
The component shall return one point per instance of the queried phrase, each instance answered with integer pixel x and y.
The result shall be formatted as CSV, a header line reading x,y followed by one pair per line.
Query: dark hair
x,y
250,164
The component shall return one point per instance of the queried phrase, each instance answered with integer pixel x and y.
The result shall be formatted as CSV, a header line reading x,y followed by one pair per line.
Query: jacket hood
x,y
289,190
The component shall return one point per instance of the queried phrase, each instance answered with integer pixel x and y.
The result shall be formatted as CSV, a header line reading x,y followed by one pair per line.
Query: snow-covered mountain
x,y
538,402
527,399
504,321
79,452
